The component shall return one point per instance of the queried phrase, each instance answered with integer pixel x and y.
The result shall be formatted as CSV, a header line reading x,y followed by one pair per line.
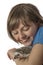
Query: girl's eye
x,y
25,28
15,32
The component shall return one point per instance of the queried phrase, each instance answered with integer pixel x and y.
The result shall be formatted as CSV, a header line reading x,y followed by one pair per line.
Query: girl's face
x,y
25,34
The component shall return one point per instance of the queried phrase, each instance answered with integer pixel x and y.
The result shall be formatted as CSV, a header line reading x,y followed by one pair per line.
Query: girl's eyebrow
x,y
25,26
18,27
22,27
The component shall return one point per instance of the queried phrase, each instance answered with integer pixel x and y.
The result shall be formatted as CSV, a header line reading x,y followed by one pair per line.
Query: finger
x,y
8,56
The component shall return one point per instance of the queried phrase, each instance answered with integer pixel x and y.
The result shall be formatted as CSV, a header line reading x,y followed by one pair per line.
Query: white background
x,y
5,42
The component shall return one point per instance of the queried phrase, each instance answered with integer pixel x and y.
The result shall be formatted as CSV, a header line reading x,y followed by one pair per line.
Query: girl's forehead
x,y
21,24
26,24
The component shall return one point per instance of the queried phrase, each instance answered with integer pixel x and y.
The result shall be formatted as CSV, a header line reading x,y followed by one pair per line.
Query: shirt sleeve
x,y
39,37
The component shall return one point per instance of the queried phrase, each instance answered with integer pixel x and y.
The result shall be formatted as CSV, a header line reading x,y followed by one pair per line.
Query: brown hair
x,y
23,12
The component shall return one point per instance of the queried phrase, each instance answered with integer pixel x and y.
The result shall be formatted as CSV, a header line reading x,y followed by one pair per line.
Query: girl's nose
x,y
22,37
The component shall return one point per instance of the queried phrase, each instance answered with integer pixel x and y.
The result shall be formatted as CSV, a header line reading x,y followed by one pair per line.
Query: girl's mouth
x,y
28,41
24,40
28,38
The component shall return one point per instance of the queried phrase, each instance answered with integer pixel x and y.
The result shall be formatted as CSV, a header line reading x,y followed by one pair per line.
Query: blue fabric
x,y
39,36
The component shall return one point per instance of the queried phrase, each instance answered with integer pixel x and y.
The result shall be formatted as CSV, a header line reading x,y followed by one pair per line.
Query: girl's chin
x,y
28,43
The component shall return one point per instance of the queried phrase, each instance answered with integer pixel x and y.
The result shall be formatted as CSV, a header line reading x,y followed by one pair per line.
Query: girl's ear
x,y
41,22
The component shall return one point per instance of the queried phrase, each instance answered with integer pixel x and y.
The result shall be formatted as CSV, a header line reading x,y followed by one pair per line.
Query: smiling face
x,y
25,34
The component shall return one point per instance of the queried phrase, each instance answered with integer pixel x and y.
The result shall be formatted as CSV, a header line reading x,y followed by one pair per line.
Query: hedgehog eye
x,y
18,54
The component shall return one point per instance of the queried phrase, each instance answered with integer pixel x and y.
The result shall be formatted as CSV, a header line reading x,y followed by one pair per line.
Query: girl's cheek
x,y
16,37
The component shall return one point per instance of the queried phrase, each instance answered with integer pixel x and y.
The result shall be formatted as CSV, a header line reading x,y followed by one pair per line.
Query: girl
x,y
25,25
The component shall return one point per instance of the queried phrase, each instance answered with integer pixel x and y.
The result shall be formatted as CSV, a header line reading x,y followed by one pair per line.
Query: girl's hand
x,y
18,61
10,53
